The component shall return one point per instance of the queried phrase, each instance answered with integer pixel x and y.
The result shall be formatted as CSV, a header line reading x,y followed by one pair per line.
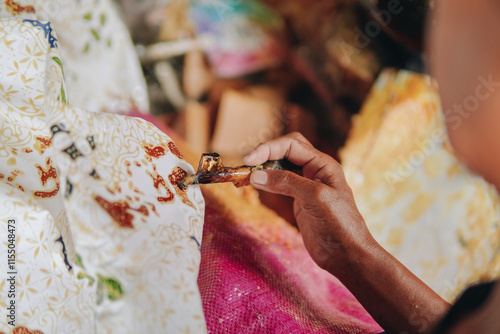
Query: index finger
x,y
297,149
293,147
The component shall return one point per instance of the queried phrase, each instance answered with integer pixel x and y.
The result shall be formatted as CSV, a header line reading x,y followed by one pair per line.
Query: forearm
x,y
337,239
395,297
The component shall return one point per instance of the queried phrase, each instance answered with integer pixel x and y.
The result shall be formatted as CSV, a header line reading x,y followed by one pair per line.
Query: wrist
x,y
357,256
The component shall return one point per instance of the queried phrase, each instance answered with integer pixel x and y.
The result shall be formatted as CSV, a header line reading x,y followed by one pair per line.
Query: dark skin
x,y
463,44
338,240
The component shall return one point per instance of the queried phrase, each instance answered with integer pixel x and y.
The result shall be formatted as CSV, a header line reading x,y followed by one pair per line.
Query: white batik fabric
x,y
101,67
105,241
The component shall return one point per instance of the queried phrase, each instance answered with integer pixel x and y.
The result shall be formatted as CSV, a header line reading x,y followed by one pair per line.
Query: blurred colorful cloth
x,y
418,200
247,35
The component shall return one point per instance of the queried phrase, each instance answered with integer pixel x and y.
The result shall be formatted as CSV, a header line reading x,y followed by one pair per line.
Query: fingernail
x,y
259,177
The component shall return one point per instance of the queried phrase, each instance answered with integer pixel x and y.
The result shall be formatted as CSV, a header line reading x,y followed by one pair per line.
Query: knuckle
x,y
297,136
304,145
275,179
321,193
329,161
286,183
283,178
333,168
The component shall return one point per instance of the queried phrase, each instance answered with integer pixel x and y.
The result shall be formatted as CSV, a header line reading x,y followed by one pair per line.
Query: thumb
x,y
282,182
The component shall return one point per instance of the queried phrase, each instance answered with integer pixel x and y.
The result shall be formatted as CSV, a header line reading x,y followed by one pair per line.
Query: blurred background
x,y
241,72
229,74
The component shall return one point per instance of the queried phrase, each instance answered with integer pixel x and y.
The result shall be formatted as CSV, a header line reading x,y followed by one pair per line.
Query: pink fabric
x,y
257,277
252,284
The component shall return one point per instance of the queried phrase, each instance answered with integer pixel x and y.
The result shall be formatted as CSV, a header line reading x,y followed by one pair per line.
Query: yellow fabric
x,y
418,200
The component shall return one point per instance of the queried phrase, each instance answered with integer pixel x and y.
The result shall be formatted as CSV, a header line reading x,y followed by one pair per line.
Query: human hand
x,y
327,216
